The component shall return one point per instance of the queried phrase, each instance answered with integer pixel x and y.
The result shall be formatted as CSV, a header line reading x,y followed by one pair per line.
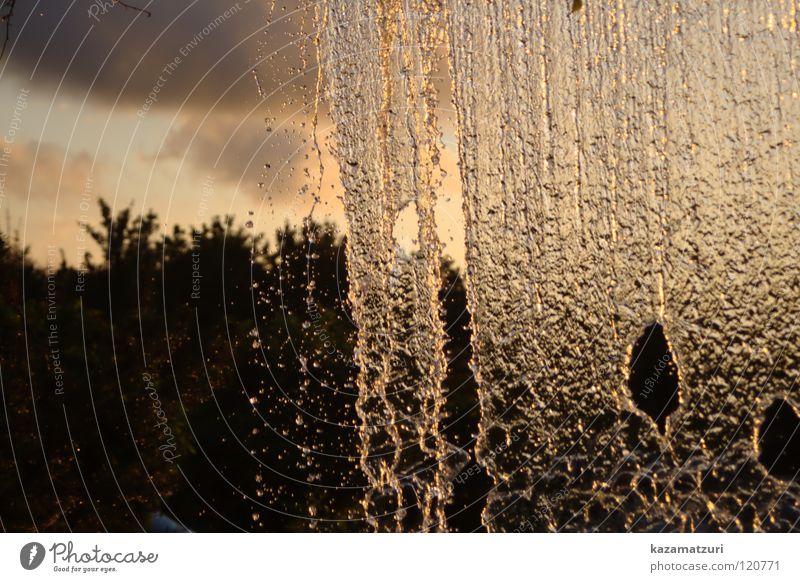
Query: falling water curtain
x,y
623,164
380,61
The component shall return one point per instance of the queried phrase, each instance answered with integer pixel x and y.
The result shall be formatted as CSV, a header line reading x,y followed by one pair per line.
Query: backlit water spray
x,y
624,166
379,59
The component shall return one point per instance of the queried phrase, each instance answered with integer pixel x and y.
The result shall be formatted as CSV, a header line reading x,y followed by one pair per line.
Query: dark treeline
x,y
199,376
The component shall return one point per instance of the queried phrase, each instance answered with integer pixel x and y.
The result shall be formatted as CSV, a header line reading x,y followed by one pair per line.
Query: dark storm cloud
x,y
113,53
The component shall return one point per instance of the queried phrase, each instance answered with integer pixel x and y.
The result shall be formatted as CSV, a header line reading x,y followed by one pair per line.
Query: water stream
x,y
625,167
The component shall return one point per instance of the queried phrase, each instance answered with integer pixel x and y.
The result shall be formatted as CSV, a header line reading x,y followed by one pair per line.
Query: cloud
x,y
245,151
198,51
47,171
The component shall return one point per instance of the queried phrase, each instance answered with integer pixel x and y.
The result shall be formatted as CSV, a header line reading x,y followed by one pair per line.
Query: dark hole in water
x,y
653,379
779,440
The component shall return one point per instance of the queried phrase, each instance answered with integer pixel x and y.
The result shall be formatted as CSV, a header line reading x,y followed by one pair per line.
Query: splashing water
x,y
624,165
380,63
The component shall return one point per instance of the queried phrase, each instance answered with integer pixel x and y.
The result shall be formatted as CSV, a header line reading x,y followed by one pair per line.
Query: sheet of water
x,y
622,164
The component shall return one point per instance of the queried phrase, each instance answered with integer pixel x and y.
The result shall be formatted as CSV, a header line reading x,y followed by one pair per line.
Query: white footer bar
x,y
399,557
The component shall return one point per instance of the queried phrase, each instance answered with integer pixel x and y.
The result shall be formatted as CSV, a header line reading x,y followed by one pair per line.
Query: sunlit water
x,y
379,61
622,164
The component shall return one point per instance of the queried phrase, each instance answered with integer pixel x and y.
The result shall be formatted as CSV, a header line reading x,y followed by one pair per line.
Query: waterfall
x,y
623,165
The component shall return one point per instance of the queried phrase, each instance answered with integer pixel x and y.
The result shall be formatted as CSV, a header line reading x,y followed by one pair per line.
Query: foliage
x,y
197,374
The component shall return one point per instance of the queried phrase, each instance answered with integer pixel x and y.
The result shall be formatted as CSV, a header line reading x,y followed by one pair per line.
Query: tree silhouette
x,y
200,375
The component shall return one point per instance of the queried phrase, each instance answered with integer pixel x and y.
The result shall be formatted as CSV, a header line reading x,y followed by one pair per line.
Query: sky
x,y
191,108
